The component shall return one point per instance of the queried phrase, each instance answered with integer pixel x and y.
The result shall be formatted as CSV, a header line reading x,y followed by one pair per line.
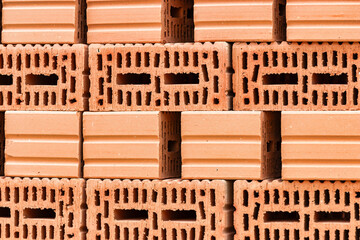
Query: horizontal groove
x,y
101,162
227,3
41,160
139,3
28,5
125,26
42,26
235,24
323,23
300,3
220,138
234,162
320,162
117,138
49,138
310,138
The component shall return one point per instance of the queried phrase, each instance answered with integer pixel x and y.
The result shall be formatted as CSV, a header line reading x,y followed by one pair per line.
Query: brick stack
x,y
180,119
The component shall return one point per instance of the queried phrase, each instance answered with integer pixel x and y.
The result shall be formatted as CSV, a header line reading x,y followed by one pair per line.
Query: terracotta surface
x,y
38,21
49,77
320,145
2,142
326,20
43,144
296,76
230,145
143,145
169,209
296,210
140,21
42,208
165,77
239,20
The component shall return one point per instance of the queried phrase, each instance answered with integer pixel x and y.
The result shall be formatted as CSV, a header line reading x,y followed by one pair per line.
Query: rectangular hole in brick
x,y
99,62
176,59
5,212
1,61
326,78
147,59
131,214
294,59
73,61
244,60
34,79
195,59
178,215
279,79
46,213
275,59
334,58
284,60
119,60
181,78
344,60
6,79
281,217
186,59
37,60
324,59
148,99
167,59
215,59
355,96
46,60
332,217
138,59
133,79
245,85
266,59
176,12
173,146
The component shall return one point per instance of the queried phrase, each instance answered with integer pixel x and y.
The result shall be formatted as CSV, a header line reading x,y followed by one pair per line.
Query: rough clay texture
x,y
239,20
38,21
142,145
320,145
49,77
296,210
140,21
42,208
2,142
230,145
327,20
296,76
169,209
43,144
161,77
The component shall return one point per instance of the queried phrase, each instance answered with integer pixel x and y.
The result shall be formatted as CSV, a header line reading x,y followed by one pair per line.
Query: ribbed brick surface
x,y
39,21
296,210
169,77
239,20
2,142
49,77
143,145
43,144
326,20
169,209
230,145
42,208
320,145
140,21
296,76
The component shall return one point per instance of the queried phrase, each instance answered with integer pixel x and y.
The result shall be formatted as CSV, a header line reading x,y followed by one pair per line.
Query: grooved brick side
x,y
2,142
132,145
320,145
168,209
296,76
161,77
42,208
49,77
39,21
327,20
140,21
230,145
43,144
239,20
296,210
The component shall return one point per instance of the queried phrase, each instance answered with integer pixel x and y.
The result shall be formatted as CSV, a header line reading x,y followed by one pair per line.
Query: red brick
x,y
168,209
296,76
43,144
141,145
34,21
328,20
230,145
296,210
161,77
44,77
239,20
140,21
42,208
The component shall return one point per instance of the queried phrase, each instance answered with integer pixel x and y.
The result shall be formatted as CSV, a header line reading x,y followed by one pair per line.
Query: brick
x,y
43,144
328,20
144,145
36,21
44,77
140,21
296,76
320,145
168,209
161,77
296,210
230,145
239,20
42,208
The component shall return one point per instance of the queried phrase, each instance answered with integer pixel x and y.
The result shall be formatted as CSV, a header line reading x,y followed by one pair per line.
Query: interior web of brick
x,y
325,77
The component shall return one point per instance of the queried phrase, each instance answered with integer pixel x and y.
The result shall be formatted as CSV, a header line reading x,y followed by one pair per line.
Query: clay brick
x,y
161,77
140,21
230,145
142,145
320,145
42,208
317,76
327,20
38,21
49,77
296,210
43,144
168,209
239,20
2,142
